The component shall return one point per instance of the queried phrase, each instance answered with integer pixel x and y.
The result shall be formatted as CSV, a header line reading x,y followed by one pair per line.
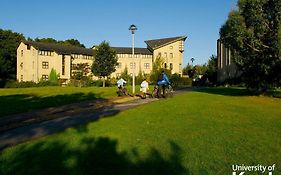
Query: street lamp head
x,y
133,28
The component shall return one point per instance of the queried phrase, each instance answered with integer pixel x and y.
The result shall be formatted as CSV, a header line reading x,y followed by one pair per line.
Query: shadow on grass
x,y
12,104
98,156
227,91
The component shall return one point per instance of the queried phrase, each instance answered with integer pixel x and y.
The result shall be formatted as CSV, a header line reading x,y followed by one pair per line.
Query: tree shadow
x,y
12,104
97,156
227,91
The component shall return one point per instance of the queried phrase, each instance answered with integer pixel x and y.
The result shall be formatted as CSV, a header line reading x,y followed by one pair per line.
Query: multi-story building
x,y
169,49
35,60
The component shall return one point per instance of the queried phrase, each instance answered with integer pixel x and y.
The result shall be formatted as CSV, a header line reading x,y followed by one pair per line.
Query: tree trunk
x,y
103,82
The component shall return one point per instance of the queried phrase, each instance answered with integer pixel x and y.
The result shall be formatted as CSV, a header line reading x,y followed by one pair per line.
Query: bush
x,y
186,82
175,80
27,84
23,84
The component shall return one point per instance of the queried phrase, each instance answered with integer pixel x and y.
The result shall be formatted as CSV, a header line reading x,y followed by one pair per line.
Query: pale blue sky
x,y
92,21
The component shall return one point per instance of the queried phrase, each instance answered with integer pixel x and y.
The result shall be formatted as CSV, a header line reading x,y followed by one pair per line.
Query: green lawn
x,y
16,100
202,132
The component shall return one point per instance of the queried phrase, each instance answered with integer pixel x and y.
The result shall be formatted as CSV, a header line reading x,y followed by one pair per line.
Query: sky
x,y
94,21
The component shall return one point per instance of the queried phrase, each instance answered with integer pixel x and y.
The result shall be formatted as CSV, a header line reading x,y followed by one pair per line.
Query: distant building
x,y
227,68
35,60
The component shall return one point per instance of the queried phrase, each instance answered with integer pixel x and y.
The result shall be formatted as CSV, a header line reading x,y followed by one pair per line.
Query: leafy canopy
x,y
9,41
105,60
253,32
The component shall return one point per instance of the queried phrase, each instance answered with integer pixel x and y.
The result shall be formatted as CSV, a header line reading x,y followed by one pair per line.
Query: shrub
x,y
23,84
175,80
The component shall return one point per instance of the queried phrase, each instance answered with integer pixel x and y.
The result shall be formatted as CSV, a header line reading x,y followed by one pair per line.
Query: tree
x,y
212,69
9,41
68,42
72,42
157,67
80,73
253,32
187,70
53,76
46,40
105,61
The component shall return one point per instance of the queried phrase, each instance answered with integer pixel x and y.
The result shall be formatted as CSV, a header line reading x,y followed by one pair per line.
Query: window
x,y
21,65
165,55
21,77
132,65
46,53
165,65
21,53
28,47
180,68
75,55
171,66
45,77
63,65
146,65
181,46
45,65
171,55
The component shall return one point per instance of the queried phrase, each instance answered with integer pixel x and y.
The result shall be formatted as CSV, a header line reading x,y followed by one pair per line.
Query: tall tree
x,y
72,42
9,41
187,70
68,42
46,40
105,61
253,31
212,68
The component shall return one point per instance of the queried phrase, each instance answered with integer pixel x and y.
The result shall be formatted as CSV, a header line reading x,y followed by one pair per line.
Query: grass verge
x,y
202,132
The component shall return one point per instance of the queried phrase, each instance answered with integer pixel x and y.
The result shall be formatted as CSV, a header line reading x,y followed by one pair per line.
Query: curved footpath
x,y
20,128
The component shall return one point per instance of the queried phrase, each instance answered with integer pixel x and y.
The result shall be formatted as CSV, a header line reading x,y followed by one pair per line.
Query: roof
x,y
59,48
128,50
156,43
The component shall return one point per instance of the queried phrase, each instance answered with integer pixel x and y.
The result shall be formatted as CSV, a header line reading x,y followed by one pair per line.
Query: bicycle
x,y
158,92
122,91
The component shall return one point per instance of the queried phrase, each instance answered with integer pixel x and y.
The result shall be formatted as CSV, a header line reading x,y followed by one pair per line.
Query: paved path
x,y
66,116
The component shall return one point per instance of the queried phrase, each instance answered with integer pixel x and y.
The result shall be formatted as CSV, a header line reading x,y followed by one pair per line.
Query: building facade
x,y
35,60
226,66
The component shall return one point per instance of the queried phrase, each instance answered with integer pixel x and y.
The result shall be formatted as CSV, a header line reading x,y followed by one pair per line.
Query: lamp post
x,y
192,59
133,28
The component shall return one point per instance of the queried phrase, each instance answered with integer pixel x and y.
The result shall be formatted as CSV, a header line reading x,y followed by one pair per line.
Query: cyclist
x,y
121,90
144,88
163,81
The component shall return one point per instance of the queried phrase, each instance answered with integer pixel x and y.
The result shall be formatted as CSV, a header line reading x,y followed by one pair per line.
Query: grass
x,y
17,100
202,132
